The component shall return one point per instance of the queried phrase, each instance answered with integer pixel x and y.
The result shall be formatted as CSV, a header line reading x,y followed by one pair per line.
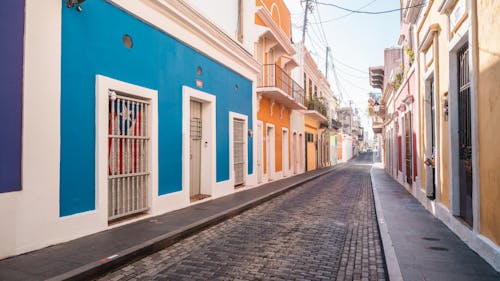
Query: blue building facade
x,y
92,44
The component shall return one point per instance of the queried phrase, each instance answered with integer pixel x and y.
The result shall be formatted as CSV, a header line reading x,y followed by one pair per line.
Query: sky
x,y
357,41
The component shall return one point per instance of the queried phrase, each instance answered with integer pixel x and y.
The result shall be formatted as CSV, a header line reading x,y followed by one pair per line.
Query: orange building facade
x,y
277,93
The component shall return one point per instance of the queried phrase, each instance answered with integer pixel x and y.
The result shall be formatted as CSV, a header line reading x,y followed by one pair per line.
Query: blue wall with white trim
x,y
92,44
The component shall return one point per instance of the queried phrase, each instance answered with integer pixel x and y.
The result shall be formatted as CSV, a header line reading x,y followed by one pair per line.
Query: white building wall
x,y
224,14
346,148
297,125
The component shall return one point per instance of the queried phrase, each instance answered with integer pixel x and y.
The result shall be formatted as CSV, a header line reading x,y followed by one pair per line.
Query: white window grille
x,y
239,151
128,156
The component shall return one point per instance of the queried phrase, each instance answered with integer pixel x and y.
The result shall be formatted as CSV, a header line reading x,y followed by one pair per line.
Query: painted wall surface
x,y
11,98
297,125
488,116
279,12
156,61
279,121
441,75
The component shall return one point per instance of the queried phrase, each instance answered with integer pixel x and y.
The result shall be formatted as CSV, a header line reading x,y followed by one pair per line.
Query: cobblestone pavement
x,y
323,230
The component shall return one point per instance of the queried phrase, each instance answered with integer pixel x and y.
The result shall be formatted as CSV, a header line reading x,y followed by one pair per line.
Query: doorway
x,y
195,136
464,135
260,155
198,144
284,152
431,139
270,152
295,154
408,147
239,151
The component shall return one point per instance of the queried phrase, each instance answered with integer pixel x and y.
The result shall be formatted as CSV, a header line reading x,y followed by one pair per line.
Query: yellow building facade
x,y
458,77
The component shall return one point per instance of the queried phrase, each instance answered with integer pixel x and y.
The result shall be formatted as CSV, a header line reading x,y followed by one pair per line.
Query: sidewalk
x,y
95,254
417,245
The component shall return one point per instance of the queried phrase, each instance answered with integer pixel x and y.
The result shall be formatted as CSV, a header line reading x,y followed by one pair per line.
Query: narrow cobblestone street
x,y
323,230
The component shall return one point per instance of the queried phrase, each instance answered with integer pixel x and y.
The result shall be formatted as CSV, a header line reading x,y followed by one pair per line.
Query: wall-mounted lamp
x,y
250,133
72,3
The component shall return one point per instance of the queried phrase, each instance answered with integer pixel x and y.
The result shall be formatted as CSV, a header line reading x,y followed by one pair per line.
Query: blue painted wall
x,y
92,44
11,93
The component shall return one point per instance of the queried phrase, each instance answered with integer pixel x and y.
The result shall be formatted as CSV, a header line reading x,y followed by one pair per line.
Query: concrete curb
x,y
98,268
391,260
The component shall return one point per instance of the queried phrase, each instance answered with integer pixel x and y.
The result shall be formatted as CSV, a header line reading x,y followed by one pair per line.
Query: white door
x,y
284,153
259,153
270,152
301,150
195,148
239,151
295,153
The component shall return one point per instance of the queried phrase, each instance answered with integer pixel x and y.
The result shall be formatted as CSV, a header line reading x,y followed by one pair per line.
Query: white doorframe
x,y
208,148
294,154
285,156
103,86
260,151
232,116
429,76
302,147
455,45
270,152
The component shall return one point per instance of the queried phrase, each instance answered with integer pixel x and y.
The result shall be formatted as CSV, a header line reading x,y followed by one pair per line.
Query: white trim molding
x,y
208,146
232,116
103,86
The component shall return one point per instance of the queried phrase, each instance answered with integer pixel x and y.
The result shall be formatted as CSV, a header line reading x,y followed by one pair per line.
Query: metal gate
x,y
432,193
408,147
128,155
464,135
238,151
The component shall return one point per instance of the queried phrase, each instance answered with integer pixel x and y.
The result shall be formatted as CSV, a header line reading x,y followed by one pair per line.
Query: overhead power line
x,y
369,12
345,15
351,67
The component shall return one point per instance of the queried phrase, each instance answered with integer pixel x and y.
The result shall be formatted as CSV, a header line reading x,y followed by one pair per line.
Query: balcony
x,y
376,110
275,84
316,109
376,76
377,127
335,124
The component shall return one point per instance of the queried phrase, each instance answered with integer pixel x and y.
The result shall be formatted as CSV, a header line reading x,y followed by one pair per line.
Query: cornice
x,y
429,37
446,5
275,30
412,10
189,19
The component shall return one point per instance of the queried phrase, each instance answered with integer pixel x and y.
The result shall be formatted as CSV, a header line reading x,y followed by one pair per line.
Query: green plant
x,y
398,80
410,54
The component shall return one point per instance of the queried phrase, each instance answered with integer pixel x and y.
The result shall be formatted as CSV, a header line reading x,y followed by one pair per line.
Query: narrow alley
x,y
325,229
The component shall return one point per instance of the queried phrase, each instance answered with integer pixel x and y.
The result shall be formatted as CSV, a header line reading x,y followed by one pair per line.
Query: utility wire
x,y
352,75
369,12
321,26
351,67
345,15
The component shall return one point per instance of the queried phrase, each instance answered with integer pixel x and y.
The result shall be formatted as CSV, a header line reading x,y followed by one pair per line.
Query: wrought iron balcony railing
x,y
317,105
273,76
335,124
